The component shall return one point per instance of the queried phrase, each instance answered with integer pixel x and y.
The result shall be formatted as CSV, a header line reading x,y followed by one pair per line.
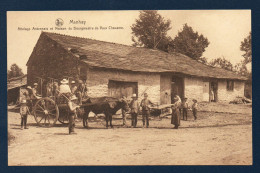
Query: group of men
x,y
178,107
73,95
135,109
78,89
75,92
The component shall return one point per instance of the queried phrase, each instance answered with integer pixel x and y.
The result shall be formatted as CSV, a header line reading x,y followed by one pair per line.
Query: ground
x,y
222,135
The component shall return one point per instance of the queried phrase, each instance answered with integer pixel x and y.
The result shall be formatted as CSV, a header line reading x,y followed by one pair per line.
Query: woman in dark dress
x,y
175,120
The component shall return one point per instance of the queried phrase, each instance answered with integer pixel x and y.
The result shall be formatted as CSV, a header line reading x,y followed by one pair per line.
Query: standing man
x,y
195,108
81,91
185,107
134,106
72,113
124,109
145,109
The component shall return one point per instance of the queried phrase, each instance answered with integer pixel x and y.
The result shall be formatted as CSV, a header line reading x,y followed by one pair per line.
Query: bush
x,y
10,138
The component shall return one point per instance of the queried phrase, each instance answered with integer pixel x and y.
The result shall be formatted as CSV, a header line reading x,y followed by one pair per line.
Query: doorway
x,y
213,95
177,87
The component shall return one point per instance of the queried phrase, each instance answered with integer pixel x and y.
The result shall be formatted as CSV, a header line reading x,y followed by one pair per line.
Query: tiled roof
x,y
17,82
117,56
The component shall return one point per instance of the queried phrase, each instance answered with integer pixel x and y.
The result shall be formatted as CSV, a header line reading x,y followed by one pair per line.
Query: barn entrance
x,y
119,88
177,87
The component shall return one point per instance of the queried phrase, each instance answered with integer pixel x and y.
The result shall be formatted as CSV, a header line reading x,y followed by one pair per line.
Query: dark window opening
x,y
230,85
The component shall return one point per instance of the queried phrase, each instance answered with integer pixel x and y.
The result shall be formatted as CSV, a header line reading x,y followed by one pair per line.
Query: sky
x,y
225,29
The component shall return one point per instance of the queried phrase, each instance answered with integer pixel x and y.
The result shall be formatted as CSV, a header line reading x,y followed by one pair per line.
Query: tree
x,y
222,63
241,67
246,45
150,30
190,43
15,71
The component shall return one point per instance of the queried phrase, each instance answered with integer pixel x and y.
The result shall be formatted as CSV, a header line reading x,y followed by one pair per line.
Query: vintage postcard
x,y
148,87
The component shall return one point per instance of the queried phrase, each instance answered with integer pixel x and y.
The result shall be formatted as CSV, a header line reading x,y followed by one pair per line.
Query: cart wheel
x,y
64,116
46,112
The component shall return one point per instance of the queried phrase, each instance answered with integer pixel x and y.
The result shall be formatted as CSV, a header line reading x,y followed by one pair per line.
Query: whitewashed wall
x,y
98,82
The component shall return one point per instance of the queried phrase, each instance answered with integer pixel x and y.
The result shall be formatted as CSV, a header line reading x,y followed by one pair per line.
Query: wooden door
x,y
214,91
177,87
206,96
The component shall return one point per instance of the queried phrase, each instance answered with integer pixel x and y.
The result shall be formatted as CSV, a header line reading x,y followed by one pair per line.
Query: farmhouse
x,y
15,88
114,69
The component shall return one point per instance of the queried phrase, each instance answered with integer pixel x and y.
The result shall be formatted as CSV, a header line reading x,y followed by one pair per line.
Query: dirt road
x,y
214,139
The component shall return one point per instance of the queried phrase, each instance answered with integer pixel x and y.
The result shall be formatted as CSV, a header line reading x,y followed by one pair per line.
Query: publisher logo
x,y
59,22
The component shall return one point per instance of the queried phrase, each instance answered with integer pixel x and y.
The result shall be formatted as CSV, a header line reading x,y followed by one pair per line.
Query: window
x,y
230,85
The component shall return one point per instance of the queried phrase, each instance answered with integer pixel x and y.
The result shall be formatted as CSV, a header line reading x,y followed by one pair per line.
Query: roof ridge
x,y
145,48
162,61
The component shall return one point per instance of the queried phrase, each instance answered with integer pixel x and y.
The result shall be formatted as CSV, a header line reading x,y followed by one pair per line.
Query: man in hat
x,y
81,91
185,107
195,108
34,91
64,86
124,109
145,103
24,111
134,106
72,113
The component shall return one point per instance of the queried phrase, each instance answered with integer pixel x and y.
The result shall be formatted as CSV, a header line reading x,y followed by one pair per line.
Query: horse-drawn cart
x,y
51,108
47,112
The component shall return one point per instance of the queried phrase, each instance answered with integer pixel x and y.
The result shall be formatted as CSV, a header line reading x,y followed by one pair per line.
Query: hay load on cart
x,y
51,105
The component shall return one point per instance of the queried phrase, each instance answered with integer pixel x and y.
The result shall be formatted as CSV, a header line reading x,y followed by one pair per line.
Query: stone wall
x,y
97,82
193,88
49,59
225,96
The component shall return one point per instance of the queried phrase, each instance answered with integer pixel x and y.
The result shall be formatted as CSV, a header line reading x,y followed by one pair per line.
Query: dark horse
x,y
106,105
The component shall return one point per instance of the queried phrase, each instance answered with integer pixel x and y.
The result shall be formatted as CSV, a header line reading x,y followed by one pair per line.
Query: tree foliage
x,y
246,45
222,63
15,71
150,30
241,67
190,43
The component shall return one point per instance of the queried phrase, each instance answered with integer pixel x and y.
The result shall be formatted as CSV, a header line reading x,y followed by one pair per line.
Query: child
x,y
195,108
72,109
24,111
185,107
